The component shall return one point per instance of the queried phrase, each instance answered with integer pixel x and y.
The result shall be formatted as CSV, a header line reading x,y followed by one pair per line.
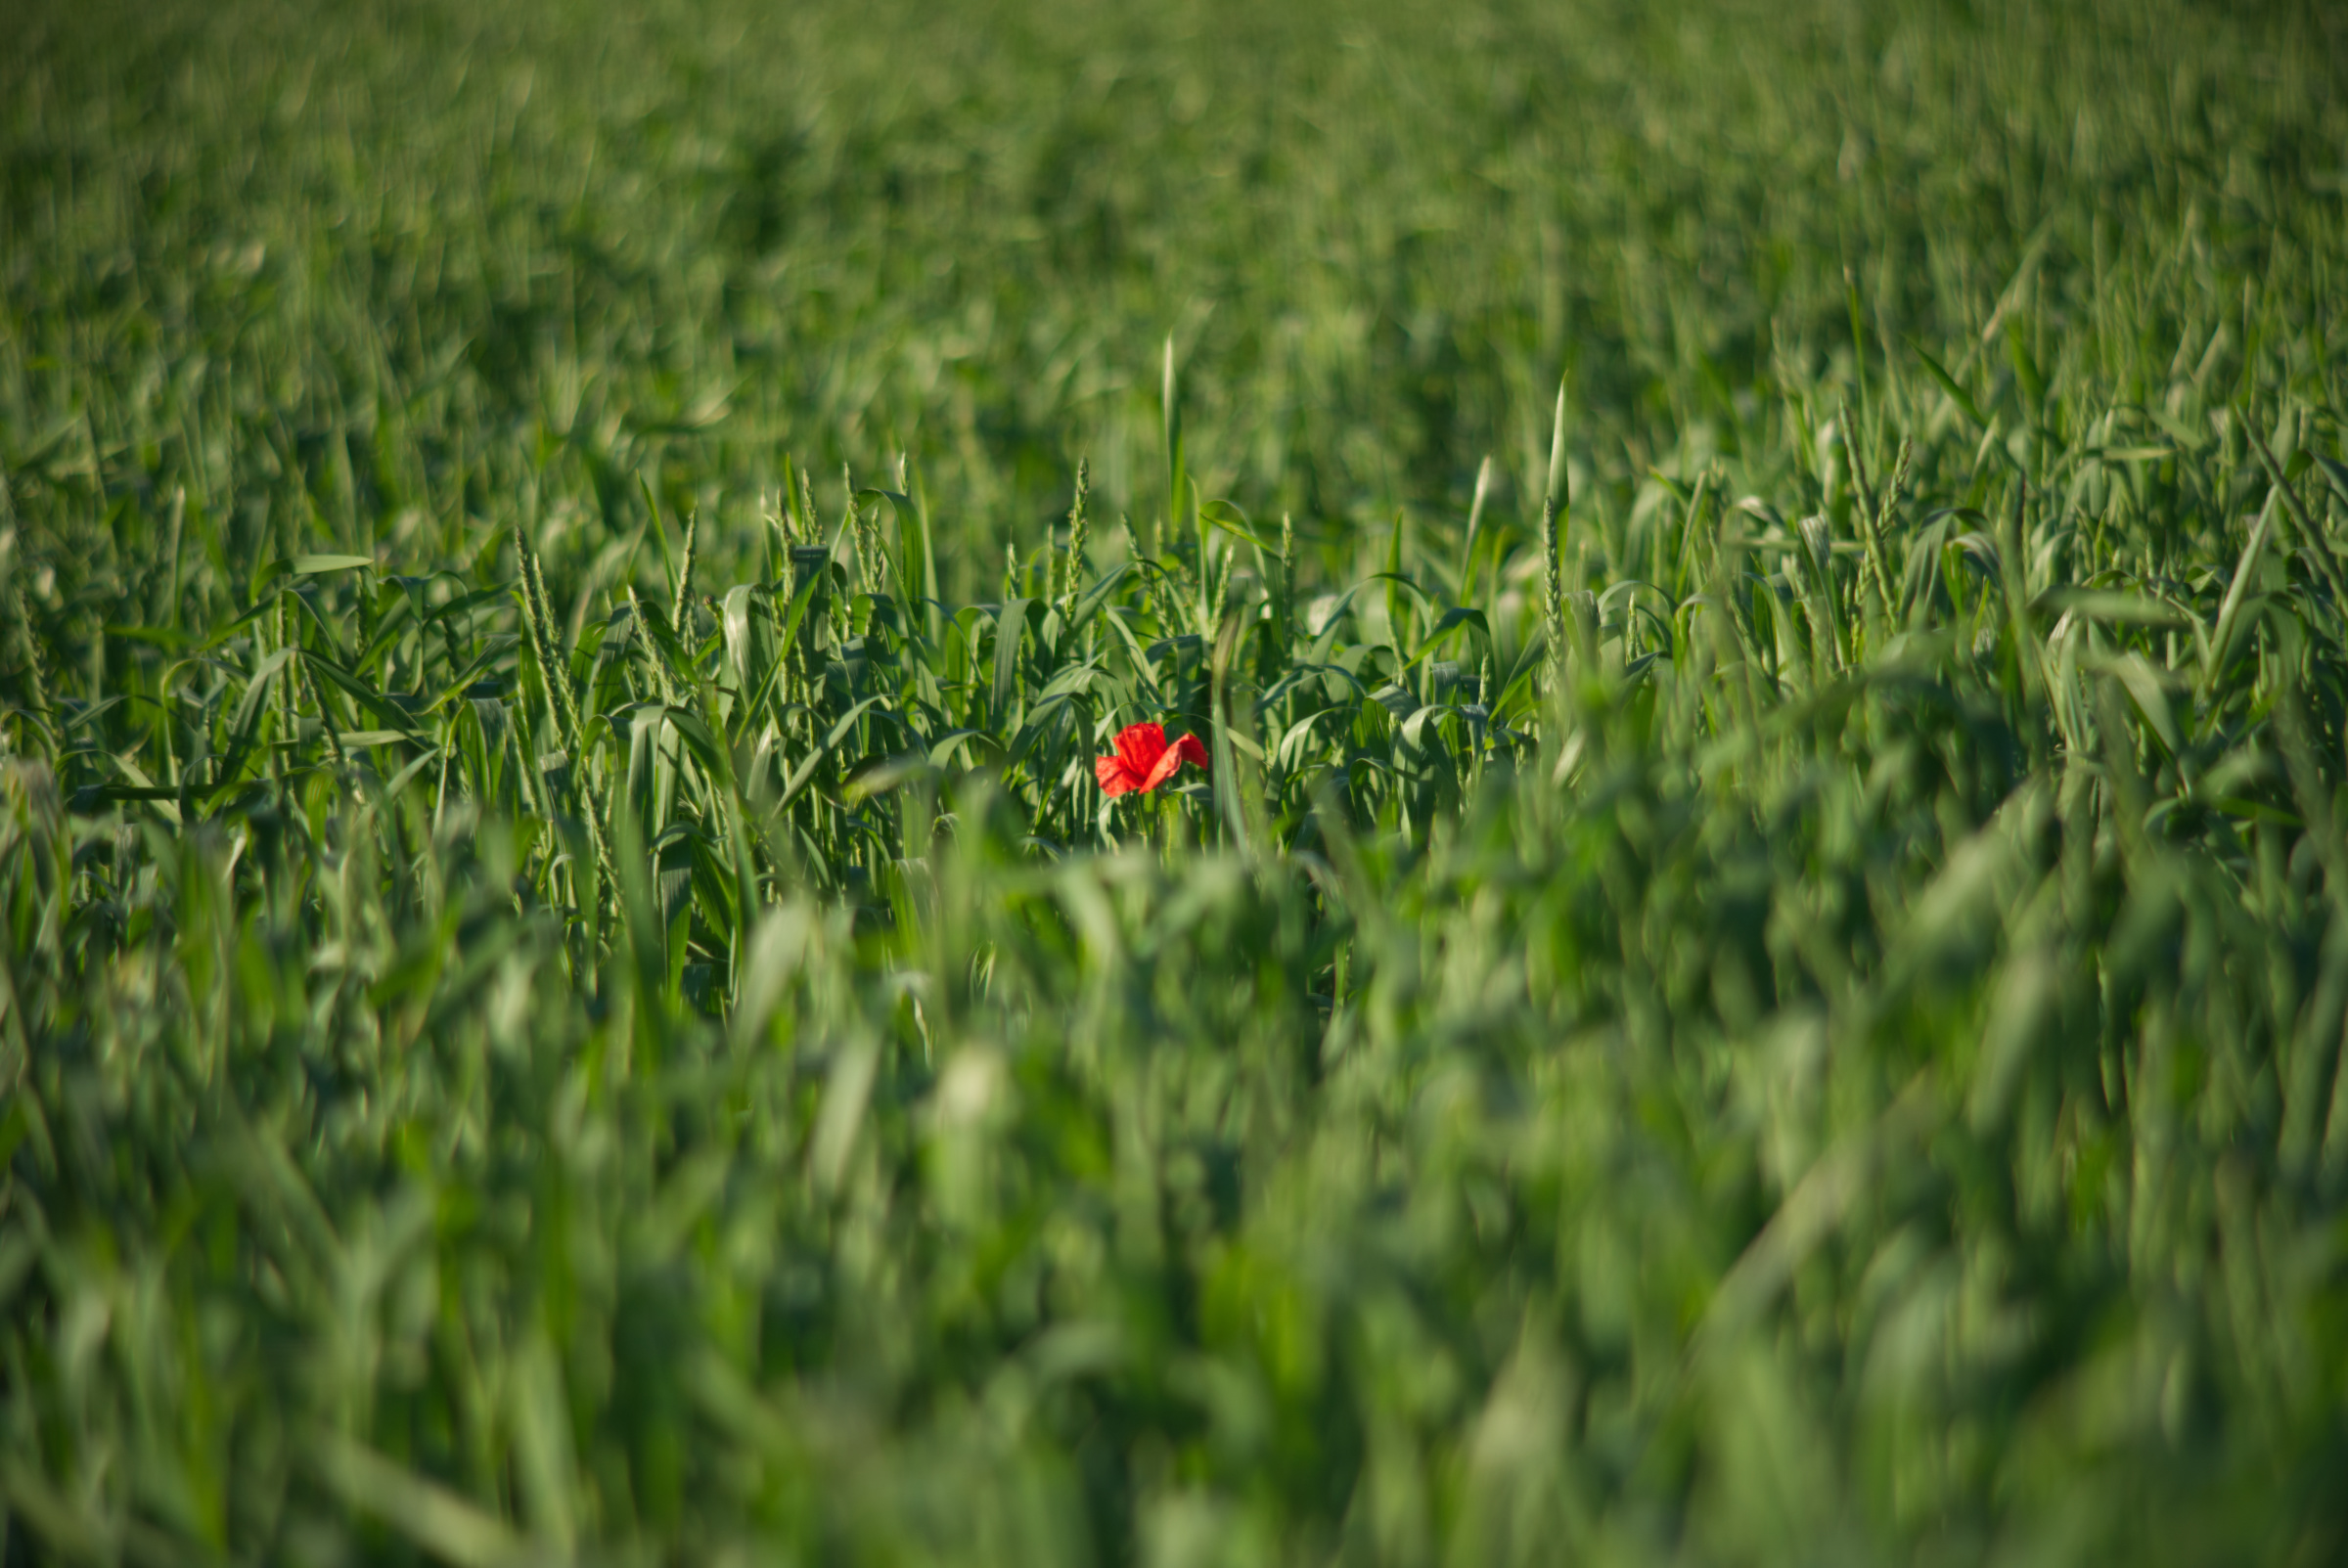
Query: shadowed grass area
x,y
1757,974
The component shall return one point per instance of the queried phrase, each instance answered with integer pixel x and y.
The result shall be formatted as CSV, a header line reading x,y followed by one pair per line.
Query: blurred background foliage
x,y
433,249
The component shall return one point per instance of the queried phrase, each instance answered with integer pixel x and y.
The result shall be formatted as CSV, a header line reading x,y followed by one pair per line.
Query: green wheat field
x,y
1756,973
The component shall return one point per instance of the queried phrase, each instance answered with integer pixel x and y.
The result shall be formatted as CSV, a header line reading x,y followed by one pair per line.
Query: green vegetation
x,y
1759,974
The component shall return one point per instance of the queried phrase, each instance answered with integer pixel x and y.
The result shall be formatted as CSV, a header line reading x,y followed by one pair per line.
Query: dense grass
x,y
1759,973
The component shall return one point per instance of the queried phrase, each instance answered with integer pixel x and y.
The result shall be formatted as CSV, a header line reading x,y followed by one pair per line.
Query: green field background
x,y
1758,973
695,238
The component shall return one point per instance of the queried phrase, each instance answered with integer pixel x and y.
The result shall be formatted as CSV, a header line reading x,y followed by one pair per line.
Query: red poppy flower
x,y
1143,761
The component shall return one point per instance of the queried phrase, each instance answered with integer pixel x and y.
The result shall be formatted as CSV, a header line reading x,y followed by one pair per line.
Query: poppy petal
x,y
1116,778
1193,751
1164,769
1140,745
